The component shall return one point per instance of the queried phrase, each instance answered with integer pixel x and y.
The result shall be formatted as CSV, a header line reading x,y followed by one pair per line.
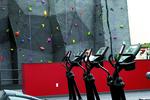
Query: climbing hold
x,y
41,60
89,33
19,11
30,8
42,48
43,25
115,38
121,8
11,49
73,41
96,5
45,13
111,9
101,34
49,40
17,34
57,28
22,40
72,8
23,55
43,1
3,8
121,26
7,30
75,24
49,61
29,38
124,42
1,58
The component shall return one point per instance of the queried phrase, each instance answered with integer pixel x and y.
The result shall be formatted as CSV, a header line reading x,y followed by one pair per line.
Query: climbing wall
x,y
41,31
115,23
61,25
32,32
80,23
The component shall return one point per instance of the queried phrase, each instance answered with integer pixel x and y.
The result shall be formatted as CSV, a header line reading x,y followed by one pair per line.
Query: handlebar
x,y
69,64
121,51
110,59
88,55
67,55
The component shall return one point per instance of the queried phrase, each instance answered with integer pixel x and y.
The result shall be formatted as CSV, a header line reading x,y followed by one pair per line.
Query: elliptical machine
x,y
90,63
89,80
69,64
125,60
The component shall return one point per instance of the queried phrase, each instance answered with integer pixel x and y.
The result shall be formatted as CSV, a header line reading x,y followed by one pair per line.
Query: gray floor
x,y
106,96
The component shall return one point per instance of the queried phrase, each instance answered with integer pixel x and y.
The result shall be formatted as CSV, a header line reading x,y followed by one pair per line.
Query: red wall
x,y
40,79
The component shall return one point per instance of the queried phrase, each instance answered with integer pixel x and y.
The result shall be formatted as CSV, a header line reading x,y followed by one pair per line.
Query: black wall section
x,y
57,40
5,56
13,52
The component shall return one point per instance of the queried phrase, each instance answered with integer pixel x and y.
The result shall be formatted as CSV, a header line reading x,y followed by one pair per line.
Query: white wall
x,y
139,20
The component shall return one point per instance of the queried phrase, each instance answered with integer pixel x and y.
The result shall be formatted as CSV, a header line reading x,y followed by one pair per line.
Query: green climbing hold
x,y
123,42
43,25
89,33
30,8
41,60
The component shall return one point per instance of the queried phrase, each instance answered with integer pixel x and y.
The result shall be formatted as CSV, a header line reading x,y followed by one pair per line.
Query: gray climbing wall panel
x,y
5,57
118,21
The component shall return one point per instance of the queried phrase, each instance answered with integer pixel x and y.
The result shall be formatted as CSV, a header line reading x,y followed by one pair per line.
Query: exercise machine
x,y
69,64
91,90
125,60
90,63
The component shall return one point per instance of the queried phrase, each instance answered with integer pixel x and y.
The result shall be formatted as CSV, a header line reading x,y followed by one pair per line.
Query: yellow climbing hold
x,y
43,25
57,28
49,61
45,13
11,49
73,41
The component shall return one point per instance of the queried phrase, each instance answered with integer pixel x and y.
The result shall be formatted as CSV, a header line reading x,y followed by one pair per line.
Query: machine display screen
x,y
101,51
133,49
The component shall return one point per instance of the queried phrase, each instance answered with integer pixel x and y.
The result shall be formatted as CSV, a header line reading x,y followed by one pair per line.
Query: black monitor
x,y
99,56
102,51
130,53
126,60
